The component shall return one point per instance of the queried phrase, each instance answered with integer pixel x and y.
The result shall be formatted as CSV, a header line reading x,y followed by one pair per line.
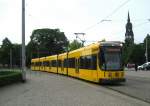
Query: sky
x,y
76,16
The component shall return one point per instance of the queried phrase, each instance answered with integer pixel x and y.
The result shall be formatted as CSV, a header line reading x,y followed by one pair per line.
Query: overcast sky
x,y
72,16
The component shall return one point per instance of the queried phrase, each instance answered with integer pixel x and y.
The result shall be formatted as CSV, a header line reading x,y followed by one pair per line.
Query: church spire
x,y
128,17
129,36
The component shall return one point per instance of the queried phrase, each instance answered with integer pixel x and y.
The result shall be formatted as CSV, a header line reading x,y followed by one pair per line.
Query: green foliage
x,y
43,42
8,77
135,53
103,40
148,45
16,55
127,51
6,44
74,45
46,42
5,51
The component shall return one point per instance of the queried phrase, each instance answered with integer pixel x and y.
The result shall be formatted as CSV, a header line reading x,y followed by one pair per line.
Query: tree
x,y
46,42
127,51
31,52
16,53
137,55
6,44
1,55
148,45
5,51
74,45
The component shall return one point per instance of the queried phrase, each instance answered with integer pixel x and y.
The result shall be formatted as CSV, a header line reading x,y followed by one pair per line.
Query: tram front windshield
x,y
110,59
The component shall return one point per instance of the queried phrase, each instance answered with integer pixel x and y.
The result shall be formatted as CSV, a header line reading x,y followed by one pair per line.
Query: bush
x,y
8,77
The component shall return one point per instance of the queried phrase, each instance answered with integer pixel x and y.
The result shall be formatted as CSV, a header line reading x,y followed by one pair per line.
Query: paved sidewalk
x,y
46,89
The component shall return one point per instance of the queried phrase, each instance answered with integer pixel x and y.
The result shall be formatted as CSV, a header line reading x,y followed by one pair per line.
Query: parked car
x,y
145,66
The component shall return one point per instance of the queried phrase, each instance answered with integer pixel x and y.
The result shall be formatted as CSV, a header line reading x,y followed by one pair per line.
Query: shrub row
x,y
8,77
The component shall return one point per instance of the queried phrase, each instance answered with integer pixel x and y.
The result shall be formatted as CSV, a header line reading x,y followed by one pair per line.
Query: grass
x,y
8,77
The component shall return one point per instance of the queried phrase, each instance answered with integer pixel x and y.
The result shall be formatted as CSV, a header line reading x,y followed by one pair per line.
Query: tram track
x,y
136,88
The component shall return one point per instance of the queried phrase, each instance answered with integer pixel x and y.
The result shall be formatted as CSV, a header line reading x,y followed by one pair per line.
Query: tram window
x,y
94,62
71,62
36,64
59,63
39,63
88,62
65,63
50,64
54,63
82,62
46,63
32,64
42,64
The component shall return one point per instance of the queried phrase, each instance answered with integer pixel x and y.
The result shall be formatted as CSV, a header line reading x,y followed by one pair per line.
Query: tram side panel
x,y
48,63
32,65
42,65
61,66
72,65
88,64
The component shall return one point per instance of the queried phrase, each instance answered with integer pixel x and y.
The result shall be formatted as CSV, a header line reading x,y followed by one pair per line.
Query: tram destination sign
x,y
113,49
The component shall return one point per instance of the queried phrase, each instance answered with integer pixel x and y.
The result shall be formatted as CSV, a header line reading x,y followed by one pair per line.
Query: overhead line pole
x,y
23,42
146,53
80,38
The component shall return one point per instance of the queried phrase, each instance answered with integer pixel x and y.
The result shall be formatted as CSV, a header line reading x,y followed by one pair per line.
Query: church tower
x,y
129,36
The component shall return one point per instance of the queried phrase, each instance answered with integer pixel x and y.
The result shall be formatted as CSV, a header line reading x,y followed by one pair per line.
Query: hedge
x,y
8,77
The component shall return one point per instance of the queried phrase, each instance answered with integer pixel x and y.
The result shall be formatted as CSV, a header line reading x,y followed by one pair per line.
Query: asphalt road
x,y
46,89
137,85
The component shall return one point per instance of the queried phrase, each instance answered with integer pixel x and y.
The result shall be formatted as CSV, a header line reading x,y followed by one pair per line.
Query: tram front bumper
x,y
115,80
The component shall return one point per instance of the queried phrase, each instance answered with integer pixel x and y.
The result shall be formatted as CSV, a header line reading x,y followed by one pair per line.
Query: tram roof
x,y
35,59
111,43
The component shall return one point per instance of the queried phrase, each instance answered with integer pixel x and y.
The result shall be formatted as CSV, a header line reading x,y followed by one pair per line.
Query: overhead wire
x,y
136,26
106,18
114,11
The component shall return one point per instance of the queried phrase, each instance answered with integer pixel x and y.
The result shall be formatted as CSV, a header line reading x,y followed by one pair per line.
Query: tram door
x,y
62,66
77,66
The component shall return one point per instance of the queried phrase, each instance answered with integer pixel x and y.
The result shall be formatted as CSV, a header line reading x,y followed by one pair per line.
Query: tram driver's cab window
x,y
110,58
